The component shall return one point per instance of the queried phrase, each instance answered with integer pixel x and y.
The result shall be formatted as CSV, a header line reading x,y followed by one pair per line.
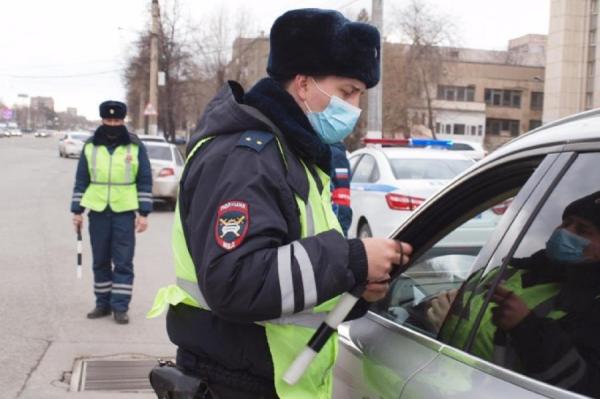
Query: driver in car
x,y
546,318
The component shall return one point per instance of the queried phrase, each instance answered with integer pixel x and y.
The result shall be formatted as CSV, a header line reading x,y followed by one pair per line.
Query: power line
x,y
62,76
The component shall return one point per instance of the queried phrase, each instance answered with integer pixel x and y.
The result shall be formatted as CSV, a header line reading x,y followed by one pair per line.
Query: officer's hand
x,y
141,223
375,291
77,221
511,309
439,308
382,253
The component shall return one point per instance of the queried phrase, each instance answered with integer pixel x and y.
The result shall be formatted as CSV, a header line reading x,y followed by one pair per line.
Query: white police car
x,y
388,183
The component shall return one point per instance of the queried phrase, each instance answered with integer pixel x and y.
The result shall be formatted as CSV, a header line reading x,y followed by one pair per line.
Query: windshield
x,y
159,153
431,169
80,136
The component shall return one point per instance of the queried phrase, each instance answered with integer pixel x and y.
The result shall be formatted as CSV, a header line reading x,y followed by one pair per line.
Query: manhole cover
x,y
112,374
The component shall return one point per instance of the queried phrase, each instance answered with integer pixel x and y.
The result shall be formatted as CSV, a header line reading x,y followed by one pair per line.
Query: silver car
x,y
398,350
167,166
71,144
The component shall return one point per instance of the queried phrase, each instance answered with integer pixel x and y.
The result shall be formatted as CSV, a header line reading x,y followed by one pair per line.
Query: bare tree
x,y
421,61
213,43
176,61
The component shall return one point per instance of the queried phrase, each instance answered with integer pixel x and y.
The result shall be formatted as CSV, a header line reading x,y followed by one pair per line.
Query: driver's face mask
x,y
566,247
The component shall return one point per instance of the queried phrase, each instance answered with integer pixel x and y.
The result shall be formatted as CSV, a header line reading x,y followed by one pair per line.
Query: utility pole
x,y
374,119
153,95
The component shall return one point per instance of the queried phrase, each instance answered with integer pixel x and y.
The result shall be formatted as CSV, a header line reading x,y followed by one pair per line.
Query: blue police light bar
x,y
432,143
411,142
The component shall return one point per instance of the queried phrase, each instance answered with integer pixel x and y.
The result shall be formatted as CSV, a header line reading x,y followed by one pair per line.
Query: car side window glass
x,y
543,317
434,278
364,171
422,297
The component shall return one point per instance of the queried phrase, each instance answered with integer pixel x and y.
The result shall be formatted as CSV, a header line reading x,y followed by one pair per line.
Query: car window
x,y
80,137
461,147
543,314
159,153
366,171
442,267
432,168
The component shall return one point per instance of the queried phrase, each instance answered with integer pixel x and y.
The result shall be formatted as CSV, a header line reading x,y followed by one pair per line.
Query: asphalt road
x,y
43,328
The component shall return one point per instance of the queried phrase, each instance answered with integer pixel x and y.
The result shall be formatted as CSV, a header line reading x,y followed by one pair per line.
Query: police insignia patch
x,y
232,224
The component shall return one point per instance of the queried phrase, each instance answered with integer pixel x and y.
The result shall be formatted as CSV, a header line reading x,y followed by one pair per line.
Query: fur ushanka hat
x,y
318,42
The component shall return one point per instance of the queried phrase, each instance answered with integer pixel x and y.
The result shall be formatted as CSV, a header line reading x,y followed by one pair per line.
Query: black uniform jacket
x,y
238,208
563,352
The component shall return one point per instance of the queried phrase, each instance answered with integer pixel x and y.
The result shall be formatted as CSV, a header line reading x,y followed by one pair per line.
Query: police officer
x,y
259,253
113,181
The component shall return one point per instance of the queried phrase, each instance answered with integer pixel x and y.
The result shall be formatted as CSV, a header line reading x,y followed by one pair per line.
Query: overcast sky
x,y
75,50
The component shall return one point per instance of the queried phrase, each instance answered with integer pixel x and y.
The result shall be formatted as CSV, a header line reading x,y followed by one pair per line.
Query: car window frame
x,y
359,163
518,229
353,167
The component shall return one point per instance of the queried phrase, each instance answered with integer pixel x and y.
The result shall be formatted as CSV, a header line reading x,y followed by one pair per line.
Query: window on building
x,y
503,98
473,130
594,6
480,130
456,93
502,126
448,129
591,68
438,127
534,124
537,100
589,100
459,128
592,37
470,93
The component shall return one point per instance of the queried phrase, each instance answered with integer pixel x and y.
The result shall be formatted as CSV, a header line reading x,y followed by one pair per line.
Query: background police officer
x,y
113,180
259,253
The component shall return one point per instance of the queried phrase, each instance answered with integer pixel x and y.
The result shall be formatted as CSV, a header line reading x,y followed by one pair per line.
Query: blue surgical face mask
x,y
336,121
566,247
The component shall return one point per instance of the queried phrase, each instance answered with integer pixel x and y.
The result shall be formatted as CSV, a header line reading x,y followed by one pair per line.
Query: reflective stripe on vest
x,y
287,335
112,178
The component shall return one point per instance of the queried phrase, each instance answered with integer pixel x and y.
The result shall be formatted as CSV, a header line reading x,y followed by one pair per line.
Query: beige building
x,y
571,67
481,95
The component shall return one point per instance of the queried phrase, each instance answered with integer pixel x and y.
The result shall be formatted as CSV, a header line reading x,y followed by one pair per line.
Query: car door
x,y
384,351
554,352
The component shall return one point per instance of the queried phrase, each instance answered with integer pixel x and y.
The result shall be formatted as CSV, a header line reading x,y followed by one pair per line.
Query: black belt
x,y
214,373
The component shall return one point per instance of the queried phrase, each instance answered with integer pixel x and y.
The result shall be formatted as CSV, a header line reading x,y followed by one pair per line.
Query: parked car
x,y
470,149
71,144
167,166
400,178
396,352
42,133
15,132
145,138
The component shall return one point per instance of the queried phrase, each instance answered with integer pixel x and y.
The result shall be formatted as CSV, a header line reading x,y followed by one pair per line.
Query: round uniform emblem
x,y
232,224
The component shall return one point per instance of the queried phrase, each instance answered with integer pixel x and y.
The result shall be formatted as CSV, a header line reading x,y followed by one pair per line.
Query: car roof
x,y
158,144
412,153
579,128
149,137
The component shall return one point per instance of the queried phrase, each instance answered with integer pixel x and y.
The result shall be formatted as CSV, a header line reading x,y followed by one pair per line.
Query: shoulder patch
x,y
231,226
256,140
